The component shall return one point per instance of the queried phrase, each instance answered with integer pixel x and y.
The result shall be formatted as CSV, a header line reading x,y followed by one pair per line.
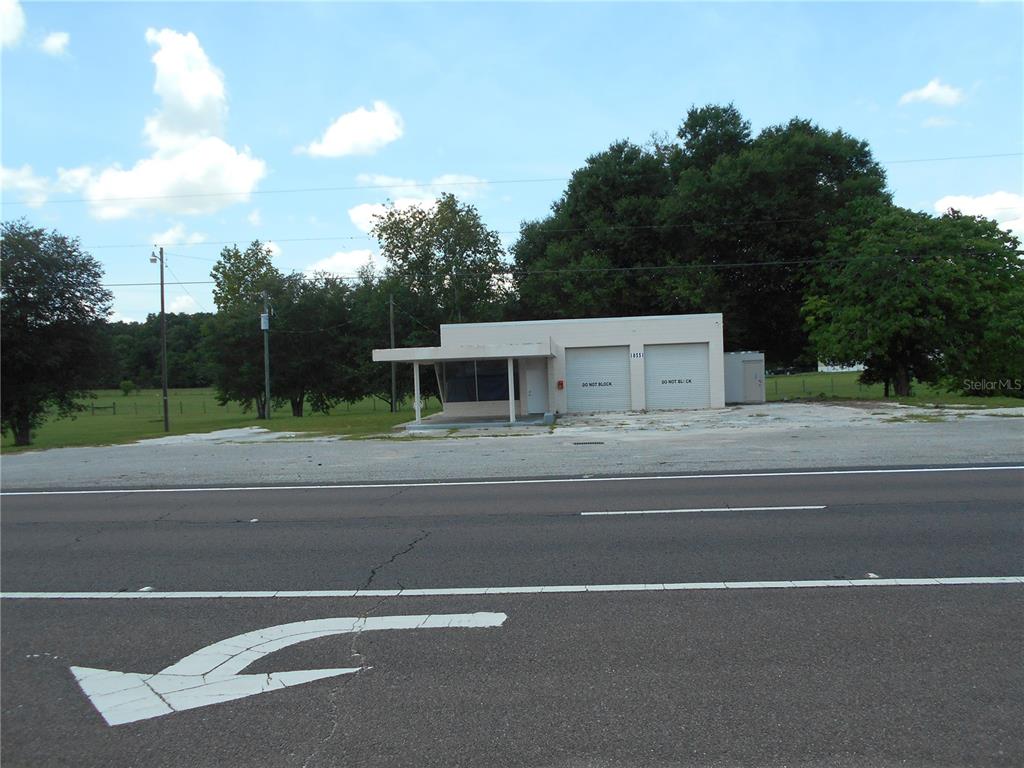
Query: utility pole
x,y
391,312
265,325
163,337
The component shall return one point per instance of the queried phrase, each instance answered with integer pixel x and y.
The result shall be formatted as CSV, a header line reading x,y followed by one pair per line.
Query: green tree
x,y
371,297
135,352
52,303
758,220
241,277
709,133
311,338
234,343
451,264
601,251
719,222
919,297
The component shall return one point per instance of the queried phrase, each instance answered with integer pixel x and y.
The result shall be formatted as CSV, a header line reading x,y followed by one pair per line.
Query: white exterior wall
x,y
633,332
734,375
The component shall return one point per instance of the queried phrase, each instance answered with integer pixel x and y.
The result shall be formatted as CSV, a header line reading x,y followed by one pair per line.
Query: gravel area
x,y
755,437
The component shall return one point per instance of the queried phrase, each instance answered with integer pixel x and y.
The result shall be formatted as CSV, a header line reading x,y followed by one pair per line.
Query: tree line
x,y
791,234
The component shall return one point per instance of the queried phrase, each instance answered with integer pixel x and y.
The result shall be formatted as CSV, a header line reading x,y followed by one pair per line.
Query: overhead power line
x,y
558,230
186,290
423,185
513,272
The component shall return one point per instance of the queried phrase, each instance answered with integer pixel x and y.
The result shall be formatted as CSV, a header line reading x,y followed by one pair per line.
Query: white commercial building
x,y
572,366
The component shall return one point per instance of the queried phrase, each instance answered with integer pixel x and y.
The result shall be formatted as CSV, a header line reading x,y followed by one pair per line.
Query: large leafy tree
x,y
601,250
719,222
760,219
234,343
312,341
311,335
372,296
241,277
919,297
449,263
52,303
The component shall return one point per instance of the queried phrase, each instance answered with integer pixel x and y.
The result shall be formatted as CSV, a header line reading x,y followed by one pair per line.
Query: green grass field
x,y
115,418
844,386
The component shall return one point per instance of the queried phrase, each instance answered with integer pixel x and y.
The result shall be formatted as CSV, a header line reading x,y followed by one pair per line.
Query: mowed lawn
x,y
112,417
844,386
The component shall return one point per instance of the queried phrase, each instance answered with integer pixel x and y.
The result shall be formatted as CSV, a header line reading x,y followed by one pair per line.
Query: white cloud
x,y
364,215
937,121
935,92
177,235
55,43
117,317
408,193
191,170
12,22
33,189
361,132
254,217
1007,208
461,185
73,179
185,304
343,263
274,248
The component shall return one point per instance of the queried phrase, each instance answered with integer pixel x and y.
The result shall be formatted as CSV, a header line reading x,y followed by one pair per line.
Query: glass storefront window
x,y
474,380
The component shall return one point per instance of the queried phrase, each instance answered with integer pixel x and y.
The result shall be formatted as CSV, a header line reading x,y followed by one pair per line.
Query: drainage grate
x,y
595,442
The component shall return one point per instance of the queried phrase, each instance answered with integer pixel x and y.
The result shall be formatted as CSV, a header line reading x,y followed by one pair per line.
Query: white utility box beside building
x,y
744,377
574,366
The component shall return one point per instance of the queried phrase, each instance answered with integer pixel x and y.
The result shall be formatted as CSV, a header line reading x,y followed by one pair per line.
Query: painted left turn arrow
x,y
211,674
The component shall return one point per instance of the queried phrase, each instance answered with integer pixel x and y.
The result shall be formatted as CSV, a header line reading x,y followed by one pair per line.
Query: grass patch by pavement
x,y
929,418
112,418
844,386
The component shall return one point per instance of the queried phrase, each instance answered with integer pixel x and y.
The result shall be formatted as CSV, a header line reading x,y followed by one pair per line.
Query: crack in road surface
x,y
332,696
409,548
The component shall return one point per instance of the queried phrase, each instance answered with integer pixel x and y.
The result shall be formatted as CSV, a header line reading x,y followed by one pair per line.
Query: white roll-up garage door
x,y
677,376
597,379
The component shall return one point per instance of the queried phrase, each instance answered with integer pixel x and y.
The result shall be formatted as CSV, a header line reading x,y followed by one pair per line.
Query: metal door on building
x,y
597,379
536,385
677,376
753,381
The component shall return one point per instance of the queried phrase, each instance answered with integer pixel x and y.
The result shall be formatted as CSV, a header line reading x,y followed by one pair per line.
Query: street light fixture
x,y
153,259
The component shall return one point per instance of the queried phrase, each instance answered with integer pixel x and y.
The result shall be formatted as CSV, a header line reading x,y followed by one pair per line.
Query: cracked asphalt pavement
x,y
638,675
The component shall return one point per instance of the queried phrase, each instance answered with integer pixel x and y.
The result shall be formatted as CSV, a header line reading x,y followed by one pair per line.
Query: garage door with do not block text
x,y
597,379
677,376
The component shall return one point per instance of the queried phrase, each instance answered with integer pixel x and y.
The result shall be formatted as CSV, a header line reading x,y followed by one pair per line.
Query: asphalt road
x,y
833,675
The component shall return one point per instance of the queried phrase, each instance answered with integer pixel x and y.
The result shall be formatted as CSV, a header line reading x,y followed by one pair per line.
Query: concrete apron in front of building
x,y
441,422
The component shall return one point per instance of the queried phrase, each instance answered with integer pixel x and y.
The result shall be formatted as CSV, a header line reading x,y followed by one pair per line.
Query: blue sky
x,y
165,106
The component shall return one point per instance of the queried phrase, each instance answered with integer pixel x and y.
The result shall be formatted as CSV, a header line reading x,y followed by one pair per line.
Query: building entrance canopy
x,y
469,354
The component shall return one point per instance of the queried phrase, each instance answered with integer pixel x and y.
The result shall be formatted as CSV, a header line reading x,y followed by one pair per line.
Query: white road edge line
x,y
691,586
537,481
702,509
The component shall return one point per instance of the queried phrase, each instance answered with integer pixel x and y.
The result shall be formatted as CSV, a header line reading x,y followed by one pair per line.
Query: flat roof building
x,y
572,366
